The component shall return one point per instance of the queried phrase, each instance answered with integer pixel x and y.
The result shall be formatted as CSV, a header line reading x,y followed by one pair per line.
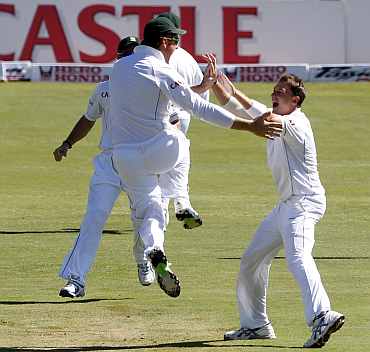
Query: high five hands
x,y
210,74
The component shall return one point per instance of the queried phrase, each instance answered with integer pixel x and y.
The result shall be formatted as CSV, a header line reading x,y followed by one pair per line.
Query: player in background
x,y
188,68
293,161
105,187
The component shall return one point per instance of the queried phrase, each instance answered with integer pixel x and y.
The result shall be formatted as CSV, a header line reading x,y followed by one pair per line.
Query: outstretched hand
x,y
210,75
267,126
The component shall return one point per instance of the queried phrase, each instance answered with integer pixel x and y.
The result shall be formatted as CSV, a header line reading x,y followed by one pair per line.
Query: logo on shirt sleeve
x,y
176,84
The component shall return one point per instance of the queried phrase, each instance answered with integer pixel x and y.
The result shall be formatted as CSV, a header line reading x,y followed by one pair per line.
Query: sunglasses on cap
x,y
174,40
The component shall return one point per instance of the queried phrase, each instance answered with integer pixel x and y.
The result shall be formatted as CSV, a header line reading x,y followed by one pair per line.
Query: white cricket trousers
x,y
184,118
175,184
290,225
105,187
139,166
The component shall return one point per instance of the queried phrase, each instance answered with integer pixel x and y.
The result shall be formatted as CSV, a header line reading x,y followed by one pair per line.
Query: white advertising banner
x,y
263,73
16,71
71,73
77,73
339,73
237,31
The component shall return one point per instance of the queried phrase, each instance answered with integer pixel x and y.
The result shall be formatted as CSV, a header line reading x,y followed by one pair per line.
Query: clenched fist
x,y
61,151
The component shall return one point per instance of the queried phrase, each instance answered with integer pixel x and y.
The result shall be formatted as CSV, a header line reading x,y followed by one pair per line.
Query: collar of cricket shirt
x,y
149,51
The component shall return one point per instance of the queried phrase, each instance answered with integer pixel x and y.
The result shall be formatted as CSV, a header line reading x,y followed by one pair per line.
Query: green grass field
x,y
42,203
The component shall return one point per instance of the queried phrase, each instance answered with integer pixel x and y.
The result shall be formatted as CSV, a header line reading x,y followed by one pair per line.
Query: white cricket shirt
x,y
98,107
190,71
292,157
188,68
141,87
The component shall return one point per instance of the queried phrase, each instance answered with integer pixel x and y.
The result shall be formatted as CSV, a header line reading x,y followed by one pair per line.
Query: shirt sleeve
x,y
257,109
189,69
94,109
205,95
171,85
234,106
198,78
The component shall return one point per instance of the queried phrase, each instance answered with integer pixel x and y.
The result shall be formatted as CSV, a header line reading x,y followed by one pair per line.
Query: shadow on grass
x,y
80,301
66,230
316,258
181,344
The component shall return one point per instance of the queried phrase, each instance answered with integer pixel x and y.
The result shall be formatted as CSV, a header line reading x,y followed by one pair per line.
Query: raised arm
x,y
235,101
211,113
228,101
210,75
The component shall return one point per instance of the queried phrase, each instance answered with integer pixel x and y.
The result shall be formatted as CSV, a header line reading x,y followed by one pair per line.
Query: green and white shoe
x,y
166,278
190,218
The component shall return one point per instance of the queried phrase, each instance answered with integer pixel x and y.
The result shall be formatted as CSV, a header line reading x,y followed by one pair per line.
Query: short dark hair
x,y
296,85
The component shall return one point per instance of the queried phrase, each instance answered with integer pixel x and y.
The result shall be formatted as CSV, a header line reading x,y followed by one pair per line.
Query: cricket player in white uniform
x,y
293,162
146,145
175,182
105,187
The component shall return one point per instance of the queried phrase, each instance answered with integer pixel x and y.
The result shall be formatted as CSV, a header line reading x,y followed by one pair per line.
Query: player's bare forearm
x,y
225,88
199,89
243,99
79,131
221,94
206,84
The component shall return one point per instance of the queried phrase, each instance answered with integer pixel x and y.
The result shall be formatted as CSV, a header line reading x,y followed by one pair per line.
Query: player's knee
x,y
98,215
152,209
297,262
248,263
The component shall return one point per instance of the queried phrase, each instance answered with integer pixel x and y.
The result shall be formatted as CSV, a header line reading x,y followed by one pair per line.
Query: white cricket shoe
x,y
190,218
145,273
325,324
72,289
263,332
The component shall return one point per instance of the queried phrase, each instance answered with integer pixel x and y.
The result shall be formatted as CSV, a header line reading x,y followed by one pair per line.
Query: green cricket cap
x,y
161,26
172,17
